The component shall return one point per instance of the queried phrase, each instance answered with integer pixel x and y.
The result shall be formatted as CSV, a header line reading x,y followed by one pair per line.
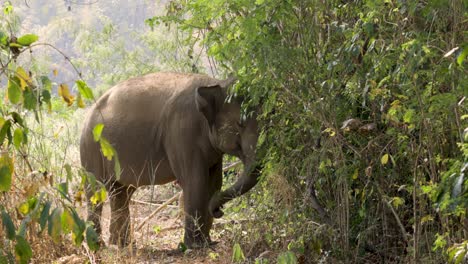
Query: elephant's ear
x,y
209,100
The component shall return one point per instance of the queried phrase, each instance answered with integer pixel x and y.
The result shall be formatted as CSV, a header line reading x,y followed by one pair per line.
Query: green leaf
x,y
287,258
30,100
44,215
14,90
5,179
78,228
23,250
46,83
461,58
27,39
55,225
84,90
97,131
107,150
63,189
92,238
67,221
18,137
4,132
237,254
46,98
8,225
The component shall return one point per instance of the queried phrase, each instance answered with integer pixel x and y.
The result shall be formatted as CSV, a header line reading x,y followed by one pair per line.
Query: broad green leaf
x,y
64,92
55,225
67,221
23,250
14,90
92,238
97,131
287,258
30,100
46,83
5,179
27,39
384,159
78,228
237,254
18,137
44,215
8,225
84,90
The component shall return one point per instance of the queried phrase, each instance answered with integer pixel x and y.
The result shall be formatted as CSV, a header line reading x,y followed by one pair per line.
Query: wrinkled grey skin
x,y
166,127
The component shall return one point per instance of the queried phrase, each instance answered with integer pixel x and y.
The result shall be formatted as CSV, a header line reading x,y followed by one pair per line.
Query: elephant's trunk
x,y
247,181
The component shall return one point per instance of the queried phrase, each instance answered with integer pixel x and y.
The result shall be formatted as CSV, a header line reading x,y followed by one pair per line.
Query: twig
x,y
150,203
164,205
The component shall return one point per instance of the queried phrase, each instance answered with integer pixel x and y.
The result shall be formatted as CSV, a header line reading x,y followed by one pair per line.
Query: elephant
x,y
169,127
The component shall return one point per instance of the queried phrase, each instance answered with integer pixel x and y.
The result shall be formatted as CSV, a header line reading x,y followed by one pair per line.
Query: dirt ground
x,y
158,240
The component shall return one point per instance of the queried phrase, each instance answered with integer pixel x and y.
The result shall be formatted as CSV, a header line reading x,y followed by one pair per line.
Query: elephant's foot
x,y
197,240
120,240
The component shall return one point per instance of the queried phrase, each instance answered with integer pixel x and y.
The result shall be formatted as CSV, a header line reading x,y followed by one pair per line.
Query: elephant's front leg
x,y
197,194
120,214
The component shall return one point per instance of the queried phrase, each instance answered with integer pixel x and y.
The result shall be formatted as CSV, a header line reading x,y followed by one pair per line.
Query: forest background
x,y
364,122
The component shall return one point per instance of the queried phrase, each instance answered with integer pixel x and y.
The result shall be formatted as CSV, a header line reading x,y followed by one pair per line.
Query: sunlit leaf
x,y
461,58
8,225
384,159
79,102
107,150
99,196
97,131
23,77
27,39
84,90
64,92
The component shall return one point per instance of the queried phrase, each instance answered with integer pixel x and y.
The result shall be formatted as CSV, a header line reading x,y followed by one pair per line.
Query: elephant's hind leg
x,y
120,214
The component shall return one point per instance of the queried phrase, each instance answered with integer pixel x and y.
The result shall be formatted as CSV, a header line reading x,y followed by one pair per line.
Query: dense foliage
x,y
364,115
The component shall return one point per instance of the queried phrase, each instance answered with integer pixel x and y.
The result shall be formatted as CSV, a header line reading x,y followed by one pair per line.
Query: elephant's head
x,y
231,134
